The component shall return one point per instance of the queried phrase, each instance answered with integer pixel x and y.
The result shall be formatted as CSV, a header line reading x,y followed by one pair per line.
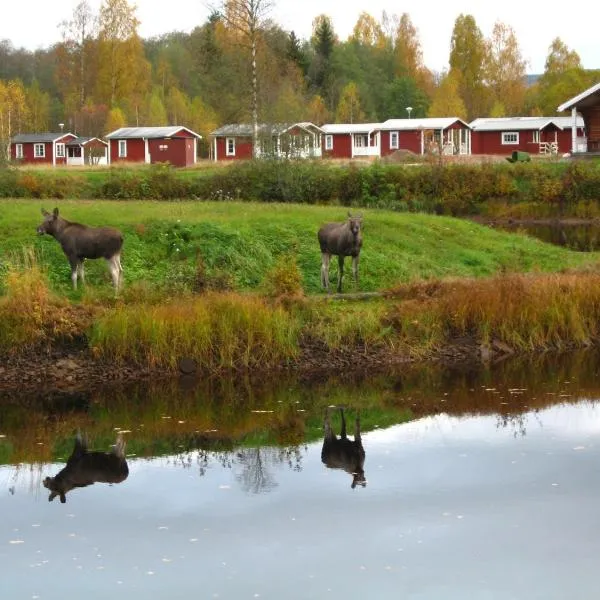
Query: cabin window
x,y
510,137
328,142
230,146
122,148
60,150
535,138
394,140
19,151
361,140
39,150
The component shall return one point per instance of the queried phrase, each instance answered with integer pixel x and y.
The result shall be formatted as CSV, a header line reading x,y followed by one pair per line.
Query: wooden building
x,y
535,135
87,151
40,148
175,145
295,140
448,135
587,105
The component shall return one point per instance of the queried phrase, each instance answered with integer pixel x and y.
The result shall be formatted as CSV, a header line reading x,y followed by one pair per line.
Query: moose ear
x,y
45,212
349,215
55,212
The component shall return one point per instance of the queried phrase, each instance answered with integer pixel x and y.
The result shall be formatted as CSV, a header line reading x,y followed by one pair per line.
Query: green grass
x,y
241,242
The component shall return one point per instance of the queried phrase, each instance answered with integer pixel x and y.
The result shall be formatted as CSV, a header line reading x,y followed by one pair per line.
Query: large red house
x,y
175,144
536,135
586,104
450,135
40,148
296,140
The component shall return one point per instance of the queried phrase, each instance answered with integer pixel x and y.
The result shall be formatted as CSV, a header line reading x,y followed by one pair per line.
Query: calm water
x,y
481,484
583,238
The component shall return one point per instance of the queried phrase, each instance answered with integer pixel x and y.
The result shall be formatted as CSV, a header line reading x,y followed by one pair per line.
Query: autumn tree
x,y
177,105
114,120
400,93
349,109
468,57
121,64
38,103
446,101
77,34
368,31
563,78
317,111
13,113
505,70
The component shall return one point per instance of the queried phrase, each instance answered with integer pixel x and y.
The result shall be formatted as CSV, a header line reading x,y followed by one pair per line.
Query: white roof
x,y
521,123
425,123
575,100
147,132
350,127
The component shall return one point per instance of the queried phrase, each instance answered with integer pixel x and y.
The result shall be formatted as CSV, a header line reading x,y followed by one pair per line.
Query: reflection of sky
x,y
454,509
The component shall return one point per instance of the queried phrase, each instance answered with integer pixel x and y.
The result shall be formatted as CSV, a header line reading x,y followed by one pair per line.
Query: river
x,y
479,482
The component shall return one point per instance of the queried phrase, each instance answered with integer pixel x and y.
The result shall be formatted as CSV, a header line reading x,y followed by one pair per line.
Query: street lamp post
x,y
409,110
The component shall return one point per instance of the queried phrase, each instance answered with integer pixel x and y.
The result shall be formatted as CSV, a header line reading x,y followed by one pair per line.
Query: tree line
x,y
241,66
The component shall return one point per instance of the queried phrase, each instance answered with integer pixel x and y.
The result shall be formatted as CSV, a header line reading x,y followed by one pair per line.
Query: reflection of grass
x,y
222,414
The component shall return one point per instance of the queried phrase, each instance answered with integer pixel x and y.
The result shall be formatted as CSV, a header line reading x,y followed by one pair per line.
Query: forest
x,y
241,66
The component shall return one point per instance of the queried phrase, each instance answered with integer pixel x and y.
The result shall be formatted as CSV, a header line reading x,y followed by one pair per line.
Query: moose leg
x,y
355,268
325,257
114,266
80,272
74,271
340,273
357,428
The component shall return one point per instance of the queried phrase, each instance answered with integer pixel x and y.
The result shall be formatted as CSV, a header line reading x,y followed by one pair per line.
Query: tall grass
x,y
524,312
219,331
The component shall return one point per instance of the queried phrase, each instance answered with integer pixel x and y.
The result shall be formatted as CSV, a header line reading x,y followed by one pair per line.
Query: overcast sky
x,y
33,23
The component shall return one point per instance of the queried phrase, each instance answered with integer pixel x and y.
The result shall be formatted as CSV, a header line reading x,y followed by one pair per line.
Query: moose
x,y
80,242
342,453
86,467
341,240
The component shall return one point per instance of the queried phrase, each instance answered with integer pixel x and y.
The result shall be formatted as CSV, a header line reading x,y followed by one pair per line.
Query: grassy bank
x,y
236,286
229,245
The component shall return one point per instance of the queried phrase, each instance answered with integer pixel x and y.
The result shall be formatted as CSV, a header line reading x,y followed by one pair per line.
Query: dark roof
x,y
82,141
148,132
27,138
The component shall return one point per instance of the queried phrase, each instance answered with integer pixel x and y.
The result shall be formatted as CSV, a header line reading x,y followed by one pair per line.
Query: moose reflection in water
x,y
342,453
85,468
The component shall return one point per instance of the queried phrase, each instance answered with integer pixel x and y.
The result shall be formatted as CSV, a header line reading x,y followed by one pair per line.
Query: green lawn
x,y
164,239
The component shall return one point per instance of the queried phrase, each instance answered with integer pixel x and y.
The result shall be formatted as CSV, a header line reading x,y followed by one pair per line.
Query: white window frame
x,y
510,138
361,140
394,140
60,150
39,150
122,148
535,136
230,146
18,150
329,142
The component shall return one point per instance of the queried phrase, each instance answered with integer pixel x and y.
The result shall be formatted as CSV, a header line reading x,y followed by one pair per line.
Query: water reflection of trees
x,y
252,467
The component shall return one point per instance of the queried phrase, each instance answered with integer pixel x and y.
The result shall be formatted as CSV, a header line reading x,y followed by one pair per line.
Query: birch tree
x,y
247,19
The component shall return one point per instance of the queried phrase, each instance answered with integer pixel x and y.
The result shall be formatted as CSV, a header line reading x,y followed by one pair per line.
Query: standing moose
x,y
340,239
342,453
85,468
80,242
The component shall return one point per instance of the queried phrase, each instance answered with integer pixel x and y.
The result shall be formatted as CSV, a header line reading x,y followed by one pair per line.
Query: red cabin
x,y
175,145
40,148
297,140
450,135
536,135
